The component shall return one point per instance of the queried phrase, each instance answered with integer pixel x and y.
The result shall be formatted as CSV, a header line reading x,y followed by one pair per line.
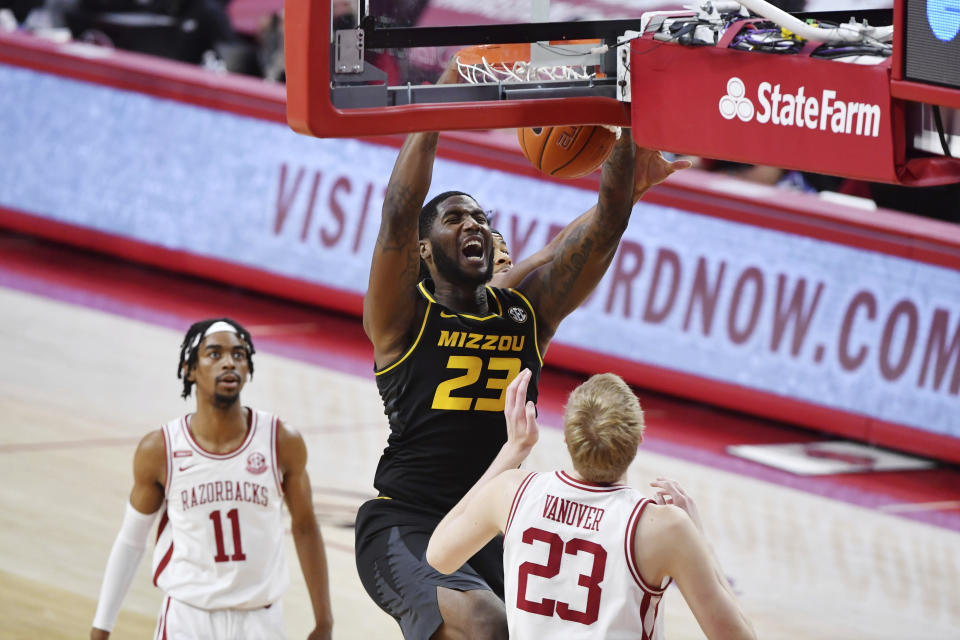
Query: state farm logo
x,y
735,104
780,107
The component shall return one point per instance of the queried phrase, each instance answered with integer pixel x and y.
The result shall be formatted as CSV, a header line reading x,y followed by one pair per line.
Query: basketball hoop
x,y
508,63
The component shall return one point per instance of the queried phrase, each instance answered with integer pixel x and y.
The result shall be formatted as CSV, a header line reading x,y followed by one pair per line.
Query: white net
x,y
520,71
537,62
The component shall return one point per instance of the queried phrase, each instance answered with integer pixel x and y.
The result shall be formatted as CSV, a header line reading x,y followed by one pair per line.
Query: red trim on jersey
x,y
167,444
644,605
629,548
656,612
628,539
229,454
275,445
516,499
162,628
164,519
584,485
163,564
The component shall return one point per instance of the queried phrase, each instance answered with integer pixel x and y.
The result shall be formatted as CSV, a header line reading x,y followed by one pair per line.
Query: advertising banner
x,y
833,117
722,301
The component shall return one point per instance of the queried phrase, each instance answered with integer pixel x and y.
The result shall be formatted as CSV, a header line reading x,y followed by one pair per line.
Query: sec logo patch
x,y
256,463
517,314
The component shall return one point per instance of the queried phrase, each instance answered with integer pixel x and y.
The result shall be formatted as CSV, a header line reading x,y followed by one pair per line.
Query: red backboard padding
x,y
789,111
311,112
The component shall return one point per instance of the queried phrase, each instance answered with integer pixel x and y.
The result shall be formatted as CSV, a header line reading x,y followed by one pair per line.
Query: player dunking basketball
x,y
586,556
221,476
445,350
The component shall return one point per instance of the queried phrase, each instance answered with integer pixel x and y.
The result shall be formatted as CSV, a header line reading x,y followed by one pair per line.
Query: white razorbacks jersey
x,y
220,542
569,565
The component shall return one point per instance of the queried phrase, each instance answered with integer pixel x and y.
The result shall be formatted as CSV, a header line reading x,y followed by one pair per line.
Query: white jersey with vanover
x,y
220,542
569,564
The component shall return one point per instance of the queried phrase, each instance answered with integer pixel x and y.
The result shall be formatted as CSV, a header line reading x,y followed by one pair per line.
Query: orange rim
x,y
506,53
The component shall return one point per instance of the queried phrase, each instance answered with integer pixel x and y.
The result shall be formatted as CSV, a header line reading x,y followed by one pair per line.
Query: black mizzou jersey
x,y
445,396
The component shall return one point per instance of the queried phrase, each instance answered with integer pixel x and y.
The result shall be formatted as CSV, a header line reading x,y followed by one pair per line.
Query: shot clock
x,y
932,44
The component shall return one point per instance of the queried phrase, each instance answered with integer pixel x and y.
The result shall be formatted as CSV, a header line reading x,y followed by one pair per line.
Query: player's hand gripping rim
x,y
670,492
521,415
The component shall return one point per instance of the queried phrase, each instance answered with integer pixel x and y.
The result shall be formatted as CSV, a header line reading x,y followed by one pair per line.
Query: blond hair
x,y
603,425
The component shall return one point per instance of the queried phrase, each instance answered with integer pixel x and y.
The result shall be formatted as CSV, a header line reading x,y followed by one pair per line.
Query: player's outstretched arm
x,y
645,176
463,533
390,304
482,512
292,454
520,270
584,255
146,498
672,545
562,284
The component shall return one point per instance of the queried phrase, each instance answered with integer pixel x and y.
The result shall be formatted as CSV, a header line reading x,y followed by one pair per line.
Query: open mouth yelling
x,y
472,249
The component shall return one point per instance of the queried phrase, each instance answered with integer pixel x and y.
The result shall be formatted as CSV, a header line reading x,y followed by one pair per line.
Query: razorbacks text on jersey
x,y
569,565
445,396
220,542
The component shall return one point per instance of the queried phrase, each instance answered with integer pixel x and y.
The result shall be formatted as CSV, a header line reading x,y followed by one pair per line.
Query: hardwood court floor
x,y
81,383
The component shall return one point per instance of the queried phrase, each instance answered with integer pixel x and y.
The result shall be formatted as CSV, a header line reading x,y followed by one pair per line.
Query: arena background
x,y
133,189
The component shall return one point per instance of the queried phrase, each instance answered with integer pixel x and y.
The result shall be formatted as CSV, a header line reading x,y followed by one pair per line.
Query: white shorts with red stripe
x,y
180,621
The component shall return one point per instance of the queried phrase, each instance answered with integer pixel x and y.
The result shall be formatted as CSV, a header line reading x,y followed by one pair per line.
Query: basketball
x,y
567,152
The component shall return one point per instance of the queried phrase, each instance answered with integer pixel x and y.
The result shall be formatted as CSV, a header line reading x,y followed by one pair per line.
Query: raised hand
x,y
521,415
670,492
652,169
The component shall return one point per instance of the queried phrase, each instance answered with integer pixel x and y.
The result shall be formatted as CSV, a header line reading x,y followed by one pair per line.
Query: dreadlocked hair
x,y
188,354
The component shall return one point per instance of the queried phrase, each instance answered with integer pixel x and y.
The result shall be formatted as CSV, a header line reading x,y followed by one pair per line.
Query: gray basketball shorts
x,y
391,547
